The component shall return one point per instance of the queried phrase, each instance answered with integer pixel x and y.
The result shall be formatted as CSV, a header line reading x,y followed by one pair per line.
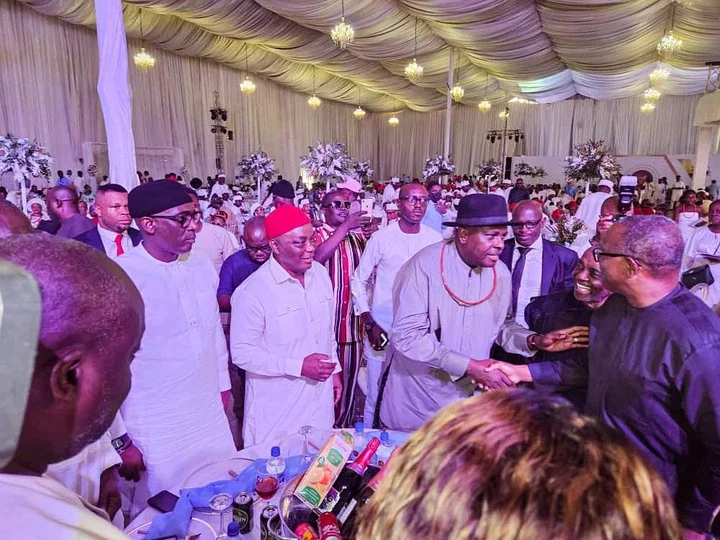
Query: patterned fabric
x,y
349,355
341,267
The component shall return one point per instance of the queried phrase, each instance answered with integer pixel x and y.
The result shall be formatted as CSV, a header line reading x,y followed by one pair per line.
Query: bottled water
x,y
359,435
385,449
276,464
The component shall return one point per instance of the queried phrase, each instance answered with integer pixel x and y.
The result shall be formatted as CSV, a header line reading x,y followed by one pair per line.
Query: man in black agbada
x,y
653,371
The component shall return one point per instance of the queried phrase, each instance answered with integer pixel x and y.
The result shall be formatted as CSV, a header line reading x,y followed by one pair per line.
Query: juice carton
x,y
323,472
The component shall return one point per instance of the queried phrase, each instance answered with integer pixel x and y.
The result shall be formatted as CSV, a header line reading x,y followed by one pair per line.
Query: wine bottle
x,y
348,515
348,483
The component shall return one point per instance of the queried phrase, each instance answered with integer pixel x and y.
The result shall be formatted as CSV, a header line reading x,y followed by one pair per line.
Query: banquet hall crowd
x,y
242,316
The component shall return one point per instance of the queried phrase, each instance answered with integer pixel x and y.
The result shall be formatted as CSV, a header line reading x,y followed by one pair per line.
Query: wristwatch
x,y
119,443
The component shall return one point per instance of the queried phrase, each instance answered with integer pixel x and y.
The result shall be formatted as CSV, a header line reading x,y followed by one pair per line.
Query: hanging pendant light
x,y
669,44
647,108
504,113
359,113
484,106
413,70
393,120
143,60
651,94
314,102
457,91
343,34
659,74
247,86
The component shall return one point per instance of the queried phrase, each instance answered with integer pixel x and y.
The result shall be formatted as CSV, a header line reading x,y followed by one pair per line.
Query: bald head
x,y
62,202
529,216
656,241
12,220
256,240
91,323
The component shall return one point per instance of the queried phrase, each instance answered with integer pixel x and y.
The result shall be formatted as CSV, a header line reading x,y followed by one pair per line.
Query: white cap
x,y
464,183
237,198
394,180
221,175
506,181
492,183
391,207
607,183
350,184
304,202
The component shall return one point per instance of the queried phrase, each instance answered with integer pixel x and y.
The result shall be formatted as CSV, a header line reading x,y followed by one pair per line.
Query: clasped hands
x,y
492,374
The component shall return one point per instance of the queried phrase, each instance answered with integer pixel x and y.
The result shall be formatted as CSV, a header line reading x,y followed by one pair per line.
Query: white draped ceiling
x,y
544,50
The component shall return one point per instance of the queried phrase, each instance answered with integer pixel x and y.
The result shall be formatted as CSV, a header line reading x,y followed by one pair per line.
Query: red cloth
x,y
284,219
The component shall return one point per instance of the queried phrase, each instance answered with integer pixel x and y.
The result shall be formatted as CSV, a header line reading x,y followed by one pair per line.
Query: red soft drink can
x,y
304,531
329,527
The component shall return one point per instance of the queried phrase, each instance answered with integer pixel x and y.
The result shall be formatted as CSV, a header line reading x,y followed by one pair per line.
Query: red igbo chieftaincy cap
x,y
284,219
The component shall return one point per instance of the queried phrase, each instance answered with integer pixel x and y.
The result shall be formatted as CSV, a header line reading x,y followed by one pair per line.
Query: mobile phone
x,y
366,205
163,501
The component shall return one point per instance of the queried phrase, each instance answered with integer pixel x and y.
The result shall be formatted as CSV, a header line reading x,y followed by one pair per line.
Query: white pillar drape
x,y
114,91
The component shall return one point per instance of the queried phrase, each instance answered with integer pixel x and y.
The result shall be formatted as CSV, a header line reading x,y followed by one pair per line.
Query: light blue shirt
x,y
433,218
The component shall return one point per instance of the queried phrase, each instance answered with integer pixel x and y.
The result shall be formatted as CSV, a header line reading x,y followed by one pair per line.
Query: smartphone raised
x,y
366,206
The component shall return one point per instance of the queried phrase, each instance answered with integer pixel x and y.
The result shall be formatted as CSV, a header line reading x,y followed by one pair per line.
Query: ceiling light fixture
x,y
659,74
314,102
647,108
247,86
343,34
651,94
359,113
413,70
484,106
142,59
393,120
504,114
669,44
457,91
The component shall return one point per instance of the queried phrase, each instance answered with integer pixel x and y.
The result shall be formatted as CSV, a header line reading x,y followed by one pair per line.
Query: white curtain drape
x,y
47,91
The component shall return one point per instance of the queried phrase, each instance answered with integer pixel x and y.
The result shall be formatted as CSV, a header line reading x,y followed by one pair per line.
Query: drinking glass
x,y
305,431
266,484
221,502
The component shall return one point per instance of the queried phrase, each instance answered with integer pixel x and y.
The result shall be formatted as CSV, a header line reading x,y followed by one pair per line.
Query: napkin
x,y
176,523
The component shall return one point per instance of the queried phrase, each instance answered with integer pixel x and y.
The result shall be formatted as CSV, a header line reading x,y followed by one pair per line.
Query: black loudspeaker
x,y
508,168
230,135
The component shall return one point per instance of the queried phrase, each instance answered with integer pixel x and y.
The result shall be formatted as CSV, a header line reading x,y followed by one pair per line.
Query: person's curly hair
x,y
518,465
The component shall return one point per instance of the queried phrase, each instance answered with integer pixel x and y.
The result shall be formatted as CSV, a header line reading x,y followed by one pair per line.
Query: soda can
x,y
242,510
304,531
329,527
268,512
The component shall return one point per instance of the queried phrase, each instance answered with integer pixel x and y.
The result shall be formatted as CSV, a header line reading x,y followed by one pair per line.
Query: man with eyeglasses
x,y
215,242
652,371
113,234
609,215
62,206
340,249
174,413
386,251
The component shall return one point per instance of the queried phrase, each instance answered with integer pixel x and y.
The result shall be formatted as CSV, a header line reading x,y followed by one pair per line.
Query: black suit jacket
x,y
558,264
92,238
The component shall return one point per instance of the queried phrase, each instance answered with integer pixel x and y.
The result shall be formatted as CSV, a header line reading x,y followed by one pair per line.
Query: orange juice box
x,y
323,472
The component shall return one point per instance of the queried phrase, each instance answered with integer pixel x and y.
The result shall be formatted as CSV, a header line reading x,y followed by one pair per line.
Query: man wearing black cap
x,y
283,193
451,303
174,412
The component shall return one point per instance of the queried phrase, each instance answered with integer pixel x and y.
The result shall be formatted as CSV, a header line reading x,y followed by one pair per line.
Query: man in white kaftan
x,y
174,412
282,335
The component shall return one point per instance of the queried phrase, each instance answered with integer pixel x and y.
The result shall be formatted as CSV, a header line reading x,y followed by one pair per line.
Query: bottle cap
x,y
275,451
359,426
384,437
233,529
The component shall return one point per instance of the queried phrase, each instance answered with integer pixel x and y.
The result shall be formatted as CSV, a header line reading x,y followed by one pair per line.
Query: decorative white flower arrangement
x,y
568,229
525,169
489,168
363,170
592,160
257,164
24,158
326,159
438,166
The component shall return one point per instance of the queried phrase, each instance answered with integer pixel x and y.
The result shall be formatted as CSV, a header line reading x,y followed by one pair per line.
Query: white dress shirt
x,y
41,507
219,189
386,251
276,323
702,242
216,243
174,412
389,194
531,280
108,241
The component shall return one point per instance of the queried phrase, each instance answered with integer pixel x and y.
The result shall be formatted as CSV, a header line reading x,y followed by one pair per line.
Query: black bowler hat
x,y
284,189
481,210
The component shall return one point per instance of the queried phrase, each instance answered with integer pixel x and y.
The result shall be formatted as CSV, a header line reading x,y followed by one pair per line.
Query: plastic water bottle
x,y
385,448
276,464
359,435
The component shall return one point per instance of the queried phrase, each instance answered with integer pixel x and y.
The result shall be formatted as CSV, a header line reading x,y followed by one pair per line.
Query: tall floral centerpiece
x,y
438,166
257,165
592,161
326,160
489,168
24,158
363,170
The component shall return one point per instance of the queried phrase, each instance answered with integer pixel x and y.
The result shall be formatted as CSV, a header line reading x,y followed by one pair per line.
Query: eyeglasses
x,y
527,224
613,218
339,204
413,199
597,253
183,219
264,249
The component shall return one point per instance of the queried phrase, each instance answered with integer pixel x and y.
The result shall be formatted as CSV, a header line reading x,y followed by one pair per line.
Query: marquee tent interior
x,y
584,64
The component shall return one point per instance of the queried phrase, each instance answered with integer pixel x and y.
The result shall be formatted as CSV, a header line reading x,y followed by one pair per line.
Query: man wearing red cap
x,y
282,335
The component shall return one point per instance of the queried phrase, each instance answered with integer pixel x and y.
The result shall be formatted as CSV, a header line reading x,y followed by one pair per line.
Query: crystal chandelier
x,y
314,102
484,106
669,44
504,114
393,120
343,34
659,74
413,70
457,92
143,60
359,113
247,86
651,94
647,108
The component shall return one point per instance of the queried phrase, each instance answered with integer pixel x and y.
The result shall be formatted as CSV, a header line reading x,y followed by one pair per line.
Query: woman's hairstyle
x,y
686,193
518,465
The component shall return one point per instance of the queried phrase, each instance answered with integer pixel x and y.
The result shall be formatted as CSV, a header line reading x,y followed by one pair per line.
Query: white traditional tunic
x,y
276,323
589,209
434,337
174,411
40,507
216,243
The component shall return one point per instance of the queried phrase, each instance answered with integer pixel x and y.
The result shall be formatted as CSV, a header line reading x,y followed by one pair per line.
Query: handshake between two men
x,y
492,374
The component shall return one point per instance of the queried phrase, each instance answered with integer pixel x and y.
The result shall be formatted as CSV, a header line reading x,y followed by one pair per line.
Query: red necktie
x,y
118,243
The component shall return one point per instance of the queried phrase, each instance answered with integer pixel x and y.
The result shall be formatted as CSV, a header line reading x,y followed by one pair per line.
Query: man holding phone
x,y
386,251
339,248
